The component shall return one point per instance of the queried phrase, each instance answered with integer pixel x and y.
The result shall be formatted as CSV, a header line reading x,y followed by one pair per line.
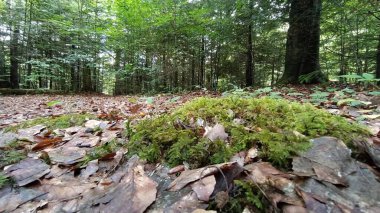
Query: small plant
x,y
366,78
318,97
315,76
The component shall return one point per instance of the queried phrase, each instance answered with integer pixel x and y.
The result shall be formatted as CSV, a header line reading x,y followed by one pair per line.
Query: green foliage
x,y
312,77
318,97
273,125
54,103
60,122
374,93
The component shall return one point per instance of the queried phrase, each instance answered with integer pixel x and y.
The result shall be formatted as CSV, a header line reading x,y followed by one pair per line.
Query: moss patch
x,y
12,153
60,122
273,126
3,180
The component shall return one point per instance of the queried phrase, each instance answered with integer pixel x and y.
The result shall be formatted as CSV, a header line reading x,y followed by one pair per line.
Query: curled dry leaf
x,y
216,132
45,142
176,169
204,187
189,176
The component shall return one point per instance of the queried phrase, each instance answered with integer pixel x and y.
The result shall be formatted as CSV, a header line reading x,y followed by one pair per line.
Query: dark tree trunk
x,y
86,79
202,69
378,60
302,45
249,64
14,79
3,80
193,71
119,81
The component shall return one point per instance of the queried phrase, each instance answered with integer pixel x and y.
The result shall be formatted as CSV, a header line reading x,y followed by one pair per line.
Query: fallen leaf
x,y
66,155
176,169
204,187
27,171
45,142
188,203
216,132
189,176
11,201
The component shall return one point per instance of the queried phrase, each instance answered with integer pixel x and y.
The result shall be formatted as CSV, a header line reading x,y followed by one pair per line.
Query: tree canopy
x,y
149,46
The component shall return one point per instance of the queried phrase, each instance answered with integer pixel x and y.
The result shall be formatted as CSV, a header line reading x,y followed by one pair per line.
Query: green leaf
x,y
53,103
150,100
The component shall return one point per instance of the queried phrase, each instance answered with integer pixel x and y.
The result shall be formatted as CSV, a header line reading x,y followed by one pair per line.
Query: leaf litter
x,y
323,179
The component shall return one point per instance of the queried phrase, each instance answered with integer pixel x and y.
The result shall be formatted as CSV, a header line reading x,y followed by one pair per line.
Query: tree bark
x,y
378,60
249,65
119,81
14,78
202,69
302,45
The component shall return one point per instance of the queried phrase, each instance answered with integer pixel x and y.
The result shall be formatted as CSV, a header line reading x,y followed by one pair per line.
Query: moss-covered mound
x,y
278,128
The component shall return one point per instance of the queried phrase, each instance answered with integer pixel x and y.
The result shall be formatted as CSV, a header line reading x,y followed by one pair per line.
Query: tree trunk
x,y
378,60
202,69
86,79
14,78
249,64
3,80
119,81
302,45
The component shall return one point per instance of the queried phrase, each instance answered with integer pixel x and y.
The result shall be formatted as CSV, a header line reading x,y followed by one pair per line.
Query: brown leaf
x,y
189,176
45,142
176,169
264,173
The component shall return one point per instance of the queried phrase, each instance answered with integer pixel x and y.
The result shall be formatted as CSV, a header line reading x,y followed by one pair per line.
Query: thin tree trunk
x,y
14,78
202,68
378,60
249,64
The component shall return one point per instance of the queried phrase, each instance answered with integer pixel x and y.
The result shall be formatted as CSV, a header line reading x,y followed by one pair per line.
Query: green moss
x,y
3,180
274,126
101,151
60,122
244,194
8,157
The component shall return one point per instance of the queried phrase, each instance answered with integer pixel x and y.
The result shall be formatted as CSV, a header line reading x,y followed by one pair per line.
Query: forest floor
x,y
63,153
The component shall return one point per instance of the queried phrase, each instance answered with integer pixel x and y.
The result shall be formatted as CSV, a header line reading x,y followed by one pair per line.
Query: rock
x,y
6,138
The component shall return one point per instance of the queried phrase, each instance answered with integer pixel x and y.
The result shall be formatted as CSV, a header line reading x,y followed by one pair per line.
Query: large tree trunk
x,y
302,46
14,79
